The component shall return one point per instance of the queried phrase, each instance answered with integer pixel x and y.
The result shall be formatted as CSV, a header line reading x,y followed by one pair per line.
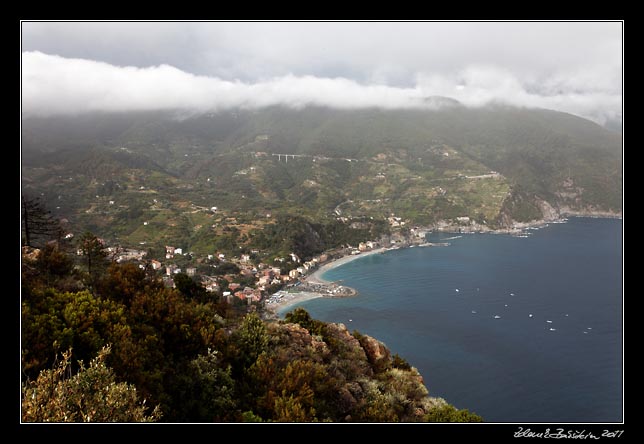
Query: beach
x,y
289,299
316,277
282,300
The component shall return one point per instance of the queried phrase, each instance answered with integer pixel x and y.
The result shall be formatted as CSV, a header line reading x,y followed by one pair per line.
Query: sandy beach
x,y
316,277
282,300
290,299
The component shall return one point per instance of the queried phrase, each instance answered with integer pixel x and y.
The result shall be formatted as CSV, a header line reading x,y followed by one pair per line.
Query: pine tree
x,y
38,225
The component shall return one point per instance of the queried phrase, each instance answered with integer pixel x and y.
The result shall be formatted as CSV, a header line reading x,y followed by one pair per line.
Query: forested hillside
x,y
153,178
105,342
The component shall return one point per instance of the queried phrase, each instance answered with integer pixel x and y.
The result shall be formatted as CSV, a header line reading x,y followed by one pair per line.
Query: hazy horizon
x,y
75,67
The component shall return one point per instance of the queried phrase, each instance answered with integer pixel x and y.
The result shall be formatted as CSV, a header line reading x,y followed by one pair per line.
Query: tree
x,y
94,254
50,267
91,395
204,391
38,225
252,339
189,288
123,281
80,320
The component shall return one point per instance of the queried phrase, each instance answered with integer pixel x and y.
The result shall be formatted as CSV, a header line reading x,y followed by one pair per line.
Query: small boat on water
x,y
549,321
457,290
530,315
553,329
474,311
497,317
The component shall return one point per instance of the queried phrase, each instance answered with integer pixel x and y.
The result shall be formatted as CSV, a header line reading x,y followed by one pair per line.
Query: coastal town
x,y
256,279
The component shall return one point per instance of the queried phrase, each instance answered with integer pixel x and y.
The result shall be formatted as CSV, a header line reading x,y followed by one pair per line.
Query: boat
x,y
530,315
497,317
553,329
474,311
457,290
549,321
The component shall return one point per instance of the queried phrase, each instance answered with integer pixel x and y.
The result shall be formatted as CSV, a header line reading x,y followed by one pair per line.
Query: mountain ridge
x,y
494,166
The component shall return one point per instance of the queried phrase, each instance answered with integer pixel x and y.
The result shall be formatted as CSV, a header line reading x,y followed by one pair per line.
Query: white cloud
x,y
57,85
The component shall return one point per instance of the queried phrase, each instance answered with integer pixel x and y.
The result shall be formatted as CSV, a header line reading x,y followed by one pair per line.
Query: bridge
x,y
309,156
286,156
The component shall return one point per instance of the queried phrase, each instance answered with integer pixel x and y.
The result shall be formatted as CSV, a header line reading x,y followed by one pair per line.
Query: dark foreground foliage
x,y
159,353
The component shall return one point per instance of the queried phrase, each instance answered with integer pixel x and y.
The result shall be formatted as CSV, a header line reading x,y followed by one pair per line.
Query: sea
x,y
515,329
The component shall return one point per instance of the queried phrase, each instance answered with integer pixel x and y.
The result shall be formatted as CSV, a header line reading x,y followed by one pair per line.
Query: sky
x,y
76,67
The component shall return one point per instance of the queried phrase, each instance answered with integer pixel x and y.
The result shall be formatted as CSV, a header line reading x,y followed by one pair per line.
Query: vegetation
x,y
37,222
152,178
163,354
220,184
91,395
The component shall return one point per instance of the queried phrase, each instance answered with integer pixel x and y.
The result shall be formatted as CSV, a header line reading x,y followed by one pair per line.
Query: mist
x,y
56,85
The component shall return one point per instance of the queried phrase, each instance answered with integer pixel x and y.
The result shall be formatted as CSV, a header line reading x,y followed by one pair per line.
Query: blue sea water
x,y
436,307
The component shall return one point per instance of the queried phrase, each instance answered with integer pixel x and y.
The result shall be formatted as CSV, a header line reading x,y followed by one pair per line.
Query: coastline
x,y
520,227
275,307
290,299
316,276
286,299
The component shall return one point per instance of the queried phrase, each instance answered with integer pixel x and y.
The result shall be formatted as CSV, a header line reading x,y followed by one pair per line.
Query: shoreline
x,y
288,299
316,276
276,309
520,227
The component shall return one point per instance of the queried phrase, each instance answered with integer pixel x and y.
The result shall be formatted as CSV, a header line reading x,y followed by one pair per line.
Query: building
x,y
172,269
191,271
233,286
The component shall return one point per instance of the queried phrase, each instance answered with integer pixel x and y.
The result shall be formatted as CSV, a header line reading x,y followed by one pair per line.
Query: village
x,y
254,278
242,277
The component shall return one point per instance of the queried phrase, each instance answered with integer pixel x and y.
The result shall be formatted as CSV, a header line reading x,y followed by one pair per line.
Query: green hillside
x,y
112,173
